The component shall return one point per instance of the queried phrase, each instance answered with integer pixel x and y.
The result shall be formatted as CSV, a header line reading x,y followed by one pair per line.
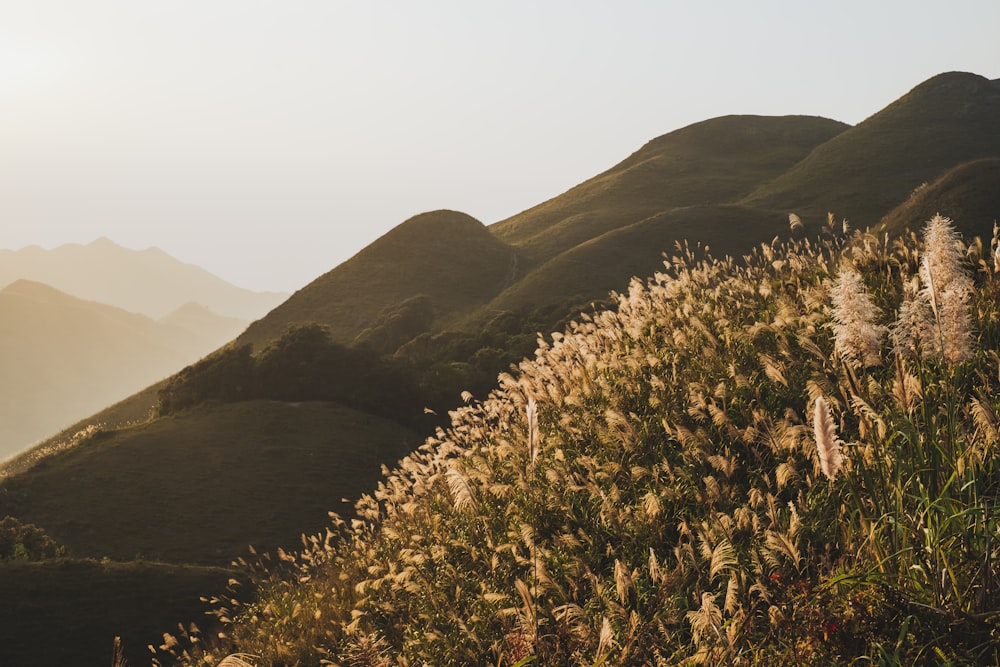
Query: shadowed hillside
x,y
200,486
712,162
147,281
85,604
971,191
867,170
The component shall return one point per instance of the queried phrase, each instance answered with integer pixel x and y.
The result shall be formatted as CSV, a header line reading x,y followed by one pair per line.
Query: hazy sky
x,y
269,141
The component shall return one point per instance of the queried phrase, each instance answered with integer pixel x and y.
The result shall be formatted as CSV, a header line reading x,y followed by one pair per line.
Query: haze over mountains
x,y
83,326
147,281
445,298
62,358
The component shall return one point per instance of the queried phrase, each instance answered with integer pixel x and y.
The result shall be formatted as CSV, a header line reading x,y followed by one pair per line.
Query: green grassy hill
x,y
590,270
200,486
449,258
713,162
735,465
449,303
970,193
867,170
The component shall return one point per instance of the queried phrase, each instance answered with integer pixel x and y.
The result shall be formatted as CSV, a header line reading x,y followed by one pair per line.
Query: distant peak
x,y
440,225
103,242
193,308
443,216
25,287
952,83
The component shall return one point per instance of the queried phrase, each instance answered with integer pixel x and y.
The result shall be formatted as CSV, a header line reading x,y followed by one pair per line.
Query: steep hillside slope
x,y
865,171
970,192
712,162
262,481
147,281
62,358
442,262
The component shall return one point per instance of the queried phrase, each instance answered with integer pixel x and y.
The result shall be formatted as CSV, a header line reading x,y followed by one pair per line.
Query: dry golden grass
x,y
647,489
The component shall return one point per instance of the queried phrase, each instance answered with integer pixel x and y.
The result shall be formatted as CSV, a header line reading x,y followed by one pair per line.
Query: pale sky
x,y
270,141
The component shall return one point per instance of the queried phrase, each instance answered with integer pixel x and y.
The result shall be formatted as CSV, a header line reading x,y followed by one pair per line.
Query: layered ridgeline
x,y
617,223
788,460
445,270
147,281
728,183
62,358
872,167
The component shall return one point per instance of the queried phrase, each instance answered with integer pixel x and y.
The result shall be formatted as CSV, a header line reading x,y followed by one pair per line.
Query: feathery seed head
x,y
795,222
827,446
461,492
914,318
856,336
532,416
947,289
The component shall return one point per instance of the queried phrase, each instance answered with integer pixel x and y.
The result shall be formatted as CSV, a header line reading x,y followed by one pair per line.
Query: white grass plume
x,y
856,335
531,412
461,492
827,446
948,289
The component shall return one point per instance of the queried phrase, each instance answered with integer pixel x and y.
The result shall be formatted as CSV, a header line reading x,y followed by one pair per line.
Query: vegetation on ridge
x,y
791,460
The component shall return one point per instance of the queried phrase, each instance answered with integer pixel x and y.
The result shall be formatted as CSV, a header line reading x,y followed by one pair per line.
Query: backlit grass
x,y
735,465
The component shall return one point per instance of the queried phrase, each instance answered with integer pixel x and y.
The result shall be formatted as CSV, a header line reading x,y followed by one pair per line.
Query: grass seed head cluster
x,y
790,458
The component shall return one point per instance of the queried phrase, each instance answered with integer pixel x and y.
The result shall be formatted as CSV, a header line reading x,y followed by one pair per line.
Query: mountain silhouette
x,y
62,358
149,281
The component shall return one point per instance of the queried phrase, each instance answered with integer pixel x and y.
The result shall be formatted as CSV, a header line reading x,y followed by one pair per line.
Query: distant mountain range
x,y
147,281
443,295
62,358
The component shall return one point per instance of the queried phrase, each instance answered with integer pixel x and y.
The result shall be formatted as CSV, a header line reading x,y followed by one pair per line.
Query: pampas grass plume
x,y
795,222
947,288
856,336
827,447
238,660
532,416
